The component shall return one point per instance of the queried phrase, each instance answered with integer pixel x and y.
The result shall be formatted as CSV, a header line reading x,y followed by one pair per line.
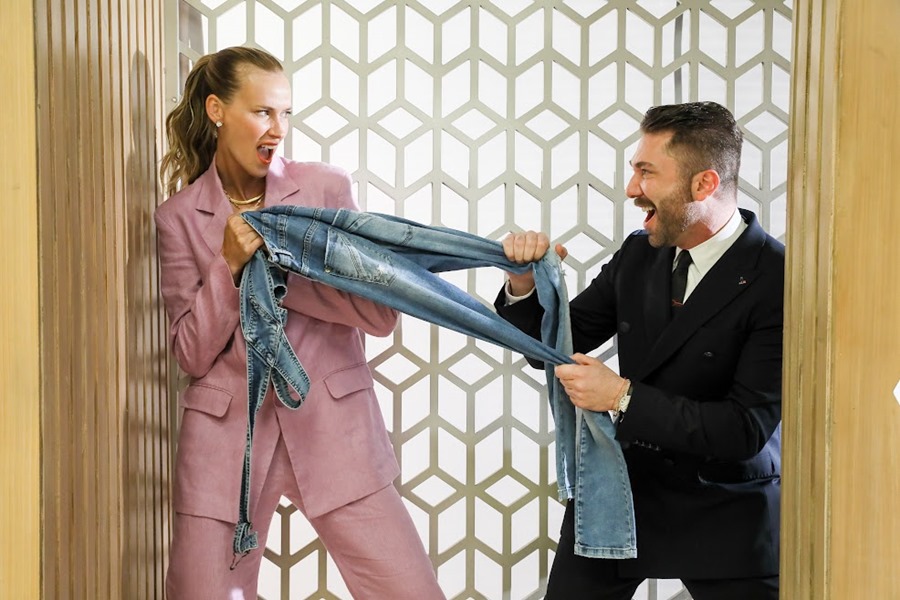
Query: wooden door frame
x,y
840,524
20,449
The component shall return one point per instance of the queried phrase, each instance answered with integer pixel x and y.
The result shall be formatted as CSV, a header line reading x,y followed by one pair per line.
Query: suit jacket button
x,y
624,327
708,355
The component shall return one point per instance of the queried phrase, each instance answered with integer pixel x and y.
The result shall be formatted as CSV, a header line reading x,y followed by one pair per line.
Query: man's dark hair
x,y
704,136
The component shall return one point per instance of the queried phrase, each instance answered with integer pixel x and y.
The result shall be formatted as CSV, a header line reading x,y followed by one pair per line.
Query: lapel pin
x,y
742,281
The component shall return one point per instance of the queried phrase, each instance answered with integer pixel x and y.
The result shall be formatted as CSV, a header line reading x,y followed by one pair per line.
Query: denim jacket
x,y
394,261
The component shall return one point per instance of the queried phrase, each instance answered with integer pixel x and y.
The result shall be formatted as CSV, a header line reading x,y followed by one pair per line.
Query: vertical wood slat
x,y
103,388
808,310
19,325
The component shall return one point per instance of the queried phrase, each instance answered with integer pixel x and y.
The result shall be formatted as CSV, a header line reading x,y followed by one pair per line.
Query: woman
x,y
332,457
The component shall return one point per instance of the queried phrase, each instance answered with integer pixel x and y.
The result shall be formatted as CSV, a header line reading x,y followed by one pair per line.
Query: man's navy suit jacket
x,y
702,435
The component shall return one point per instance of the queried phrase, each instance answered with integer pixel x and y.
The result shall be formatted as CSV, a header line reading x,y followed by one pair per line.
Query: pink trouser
x,y
372,541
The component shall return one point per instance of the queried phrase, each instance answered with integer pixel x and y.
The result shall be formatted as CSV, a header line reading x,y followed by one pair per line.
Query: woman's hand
x,y
239,244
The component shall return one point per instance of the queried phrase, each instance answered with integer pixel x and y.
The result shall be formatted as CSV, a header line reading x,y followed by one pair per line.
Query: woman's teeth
x,y
265,153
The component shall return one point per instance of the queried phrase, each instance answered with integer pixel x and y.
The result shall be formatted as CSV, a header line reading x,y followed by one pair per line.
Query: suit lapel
x,y
731,276
657,298
279,184
212,201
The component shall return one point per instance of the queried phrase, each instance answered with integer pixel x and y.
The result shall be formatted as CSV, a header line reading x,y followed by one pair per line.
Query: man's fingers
x,y
526,246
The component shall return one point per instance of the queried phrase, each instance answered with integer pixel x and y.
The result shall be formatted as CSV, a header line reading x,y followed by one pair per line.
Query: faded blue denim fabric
x,y
269,358
393,261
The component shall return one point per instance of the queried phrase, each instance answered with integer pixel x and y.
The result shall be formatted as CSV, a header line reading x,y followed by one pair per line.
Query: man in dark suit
x,y
698,403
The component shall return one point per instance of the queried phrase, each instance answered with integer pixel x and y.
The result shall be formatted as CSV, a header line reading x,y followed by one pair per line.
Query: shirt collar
x,y
705,254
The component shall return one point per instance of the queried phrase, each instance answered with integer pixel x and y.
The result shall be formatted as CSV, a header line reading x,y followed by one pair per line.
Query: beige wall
x,y
841,505
19,335
105,411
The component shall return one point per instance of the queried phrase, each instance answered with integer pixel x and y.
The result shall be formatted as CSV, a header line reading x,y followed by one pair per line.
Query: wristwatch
x,y
624,401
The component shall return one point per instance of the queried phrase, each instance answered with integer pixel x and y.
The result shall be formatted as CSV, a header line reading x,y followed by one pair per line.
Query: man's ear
x,y
215,108
704,184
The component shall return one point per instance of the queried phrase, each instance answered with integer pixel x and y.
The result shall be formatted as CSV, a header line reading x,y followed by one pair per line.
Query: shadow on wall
x,y
147,460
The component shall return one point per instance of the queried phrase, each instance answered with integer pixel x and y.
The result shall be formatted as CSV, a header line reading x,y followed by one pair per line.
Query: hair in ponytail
x,y
191,135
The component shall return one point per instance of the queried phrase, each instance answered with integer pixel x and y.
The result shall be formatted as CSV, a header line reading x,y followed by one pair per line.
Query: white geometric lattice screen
x,y
490,117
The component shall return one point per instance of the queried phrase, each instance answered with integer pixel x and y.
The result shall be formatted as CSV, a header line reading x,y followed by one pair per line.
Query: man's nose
x,y
633,189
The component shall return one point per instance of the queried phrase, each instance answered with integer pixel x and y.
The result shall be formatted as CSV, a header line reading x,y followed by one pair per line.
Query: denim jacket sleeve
x,y
329,304
202,306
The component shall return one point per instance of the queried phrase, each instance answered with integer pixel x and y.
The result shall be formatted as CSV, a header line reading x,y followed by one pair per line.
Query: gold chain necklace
x,y
248,202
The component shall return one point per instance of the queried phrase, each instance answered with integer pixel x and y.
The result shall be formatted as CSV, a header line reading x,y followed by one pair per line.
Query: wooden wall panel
x,y
865,472
19,328
104,399
841,534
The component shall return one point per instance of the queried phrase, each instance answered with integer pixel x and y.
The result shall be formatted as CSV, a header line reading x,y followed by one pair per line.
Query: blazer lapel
x,y
657,297
279,184
731,276
212,202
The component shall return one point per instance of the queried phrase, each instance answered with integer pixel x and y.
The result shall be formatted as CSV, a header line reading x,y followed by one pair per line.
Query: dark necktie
x,y
679,279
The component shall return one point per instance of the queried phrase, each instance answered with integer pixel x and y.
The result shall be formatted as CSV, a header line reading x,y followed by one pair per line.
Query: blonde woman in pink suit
x,y
332,457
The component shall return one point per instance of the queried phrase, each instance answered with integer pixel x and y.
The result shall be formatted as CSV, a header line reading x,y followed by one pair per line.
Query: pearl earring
x,y
218,123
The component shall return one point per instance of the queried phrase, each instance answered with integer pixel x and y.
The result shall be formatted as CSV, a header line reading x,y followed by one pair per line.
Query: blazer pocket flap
x,y
206,398
349,380
760,467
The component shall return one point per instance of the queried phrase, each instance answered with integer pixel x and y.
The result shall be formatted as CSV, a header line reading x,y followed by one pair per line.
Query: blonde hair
x,y
191,135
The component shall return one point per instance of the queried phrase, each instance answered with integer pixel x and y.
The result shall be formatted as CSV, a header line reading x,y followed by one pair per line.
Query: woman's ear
x,y
704,184
215,108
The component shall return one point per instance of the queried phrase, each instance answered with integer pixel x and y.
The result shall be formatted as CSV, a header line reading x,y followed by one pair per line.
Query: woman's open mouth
x,y
265,153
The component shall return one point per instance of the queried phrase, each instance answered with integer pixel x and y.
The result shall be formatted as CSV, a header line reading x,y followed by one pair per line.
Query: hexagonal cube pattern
x,y
493,117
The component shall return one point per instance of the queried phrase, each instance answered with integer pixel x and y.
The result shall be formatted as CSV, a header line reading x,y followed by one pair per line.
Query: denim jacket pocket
x,y
348,380
343,259
206,398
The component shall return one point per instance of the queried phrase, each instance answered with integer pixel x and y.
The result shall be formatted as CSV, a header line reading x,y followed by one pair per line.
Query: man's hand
x,y
590,384
526,247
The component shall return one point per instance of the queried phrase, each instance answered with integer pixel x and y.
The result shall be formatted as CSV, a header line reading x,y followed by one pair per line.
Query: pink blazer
x,y
336,440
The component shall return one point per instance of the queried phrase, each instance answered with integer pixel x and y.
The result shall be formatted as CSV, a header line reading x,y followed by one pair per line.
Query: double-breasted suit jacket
x,y
336,440
701,436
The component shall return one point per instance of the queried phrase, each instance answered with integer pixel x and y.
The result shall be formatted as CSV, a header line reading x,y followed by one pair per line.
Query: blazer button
x,y
624,327
708,354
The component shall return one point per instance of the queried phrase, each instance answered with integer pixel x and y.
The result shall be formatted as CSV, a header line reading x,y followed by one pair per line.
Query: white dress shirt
x,y
706,254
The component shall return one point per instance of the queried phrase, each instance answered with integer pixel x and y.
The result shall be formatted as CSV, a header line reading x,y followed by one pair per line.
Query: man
x,y
698,403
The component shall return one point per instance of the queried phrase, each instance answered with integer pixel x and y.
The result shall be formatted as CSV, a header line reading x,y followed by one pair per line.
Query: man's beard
x,y
674,215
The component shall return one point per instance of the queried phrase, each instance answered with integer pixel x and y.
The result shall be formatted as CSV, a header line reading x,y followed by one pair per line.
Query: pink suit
x,y
335,445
